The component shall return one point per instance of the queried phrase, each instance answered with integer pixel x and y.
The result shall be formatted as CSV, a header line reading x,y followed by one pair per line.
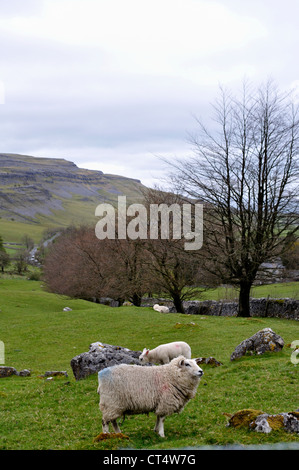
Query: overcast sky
x,y
114,84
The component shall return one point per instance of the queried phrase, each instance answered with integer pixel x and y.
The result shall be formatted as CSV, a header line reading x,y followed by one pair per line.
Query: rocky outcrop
x,y
99,356
259,421
263,341
6,371
31,186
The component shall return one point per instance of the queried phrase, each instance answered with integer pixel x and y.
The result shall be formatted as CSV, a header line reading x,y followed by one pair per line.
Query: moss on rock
x,y
263,422
243,418
275,422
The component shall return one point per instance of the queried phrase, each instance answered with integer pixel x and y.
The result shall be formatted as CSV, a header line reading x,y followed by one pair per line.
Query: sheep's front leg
x,y
105,426
115,426
159,427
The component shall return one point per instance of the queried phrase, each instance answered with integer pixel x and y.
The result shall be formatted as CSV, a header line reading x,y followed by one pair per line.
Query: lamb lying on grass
x,y
165,353
161,308
132,389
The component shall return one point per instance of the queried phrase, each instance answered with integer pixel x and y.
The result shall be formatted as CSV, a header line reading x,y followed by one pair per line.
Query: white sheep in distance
x,y
165,353
133,389
161,308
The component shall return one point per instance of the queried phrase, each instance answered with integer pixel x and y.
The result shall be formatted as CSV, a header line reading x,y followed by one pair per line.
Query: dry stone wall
x,y
264,307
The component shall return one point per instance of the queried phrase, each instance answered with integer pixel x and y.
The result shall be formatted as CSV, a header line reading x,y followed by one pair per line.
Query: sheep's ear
x,y
147,351
181,363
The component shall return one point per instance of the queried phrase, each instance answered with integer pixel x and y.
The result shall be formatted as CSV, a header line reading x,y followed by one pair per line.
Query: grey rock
x,y
55,373
24,373
108,301
99,356
287,421
264,340
262,425
208,360
291,422
6,371
260,421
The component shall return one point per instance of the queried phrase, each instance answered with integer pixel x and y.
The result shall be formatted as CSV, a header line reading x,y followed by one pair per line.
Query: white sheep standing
x,y
165,352
133,389
161,308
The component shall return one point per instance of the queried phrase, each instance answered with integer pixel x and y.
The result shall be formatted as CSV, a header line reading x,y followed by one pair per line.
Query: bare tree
x,y
28,242
172,269
80,265
245,171
131,276
76,265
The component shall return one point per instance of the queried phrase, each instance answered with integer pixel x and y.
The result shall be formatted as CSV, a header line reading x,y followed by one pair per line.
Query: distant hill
x,y
53,192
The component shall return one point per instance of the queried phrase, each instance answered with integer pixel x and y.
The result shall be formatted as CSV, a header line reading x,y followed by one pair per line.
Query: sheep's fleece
x,y
133,389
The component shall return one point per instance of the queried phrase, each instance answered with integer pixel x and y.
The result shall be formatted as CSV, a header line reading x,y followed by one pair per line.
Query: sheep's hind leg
x,y
115,426
159,427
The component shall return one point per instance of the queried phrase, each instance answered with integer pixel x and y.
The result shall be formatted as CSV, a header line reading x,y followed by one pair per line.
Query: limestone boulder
x,y
260,421
6,371
261,342
99,356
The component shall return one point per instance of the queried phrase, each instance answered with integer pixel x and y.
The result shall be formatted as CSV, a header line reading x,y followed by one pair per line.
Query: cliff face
x,y
25,168
31,188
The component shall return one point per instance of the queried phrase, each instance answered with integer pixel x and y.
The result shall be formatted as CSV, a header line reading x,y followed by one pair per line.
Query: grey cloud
x,y
65,96
14,8
76,99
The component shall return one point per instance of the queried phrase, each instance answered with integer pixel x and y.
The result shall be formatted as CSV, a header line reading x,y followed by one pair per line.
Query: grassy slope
x,y
63,413
13,231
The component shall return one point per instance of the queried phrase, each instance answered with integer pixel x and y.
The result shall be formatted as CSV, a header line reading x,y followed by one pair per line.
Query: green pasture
x,y
280,290
14,231
36,413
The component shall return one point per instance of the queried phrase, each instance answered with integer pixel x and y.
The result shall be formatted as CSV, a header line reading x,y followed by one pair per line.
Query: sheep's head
x,y
143,358
189,366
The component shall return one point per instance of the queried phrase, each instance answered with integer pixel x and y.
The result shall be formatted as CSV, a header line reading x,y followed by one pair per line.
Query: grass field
x,y
276,291
14,231
64,414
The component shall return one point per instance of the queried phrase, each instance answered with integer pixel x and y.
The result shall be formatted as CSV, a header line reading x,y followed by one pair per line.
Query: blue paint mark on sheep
x,y
105,373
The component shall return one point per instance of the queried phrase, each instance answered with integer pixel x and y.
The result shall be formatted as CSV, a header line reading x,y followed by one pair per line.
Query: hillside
x,y
63,414
50,192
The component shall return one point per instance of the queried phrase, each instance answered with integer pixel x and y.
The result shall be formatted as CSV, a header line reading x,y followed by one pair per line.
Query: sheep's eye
x,y
188,365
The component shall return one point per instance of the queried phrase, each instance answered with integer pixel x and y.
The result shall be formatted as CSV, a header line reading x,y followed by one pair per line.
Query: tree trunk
x,y
136,300
244,296
177,301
